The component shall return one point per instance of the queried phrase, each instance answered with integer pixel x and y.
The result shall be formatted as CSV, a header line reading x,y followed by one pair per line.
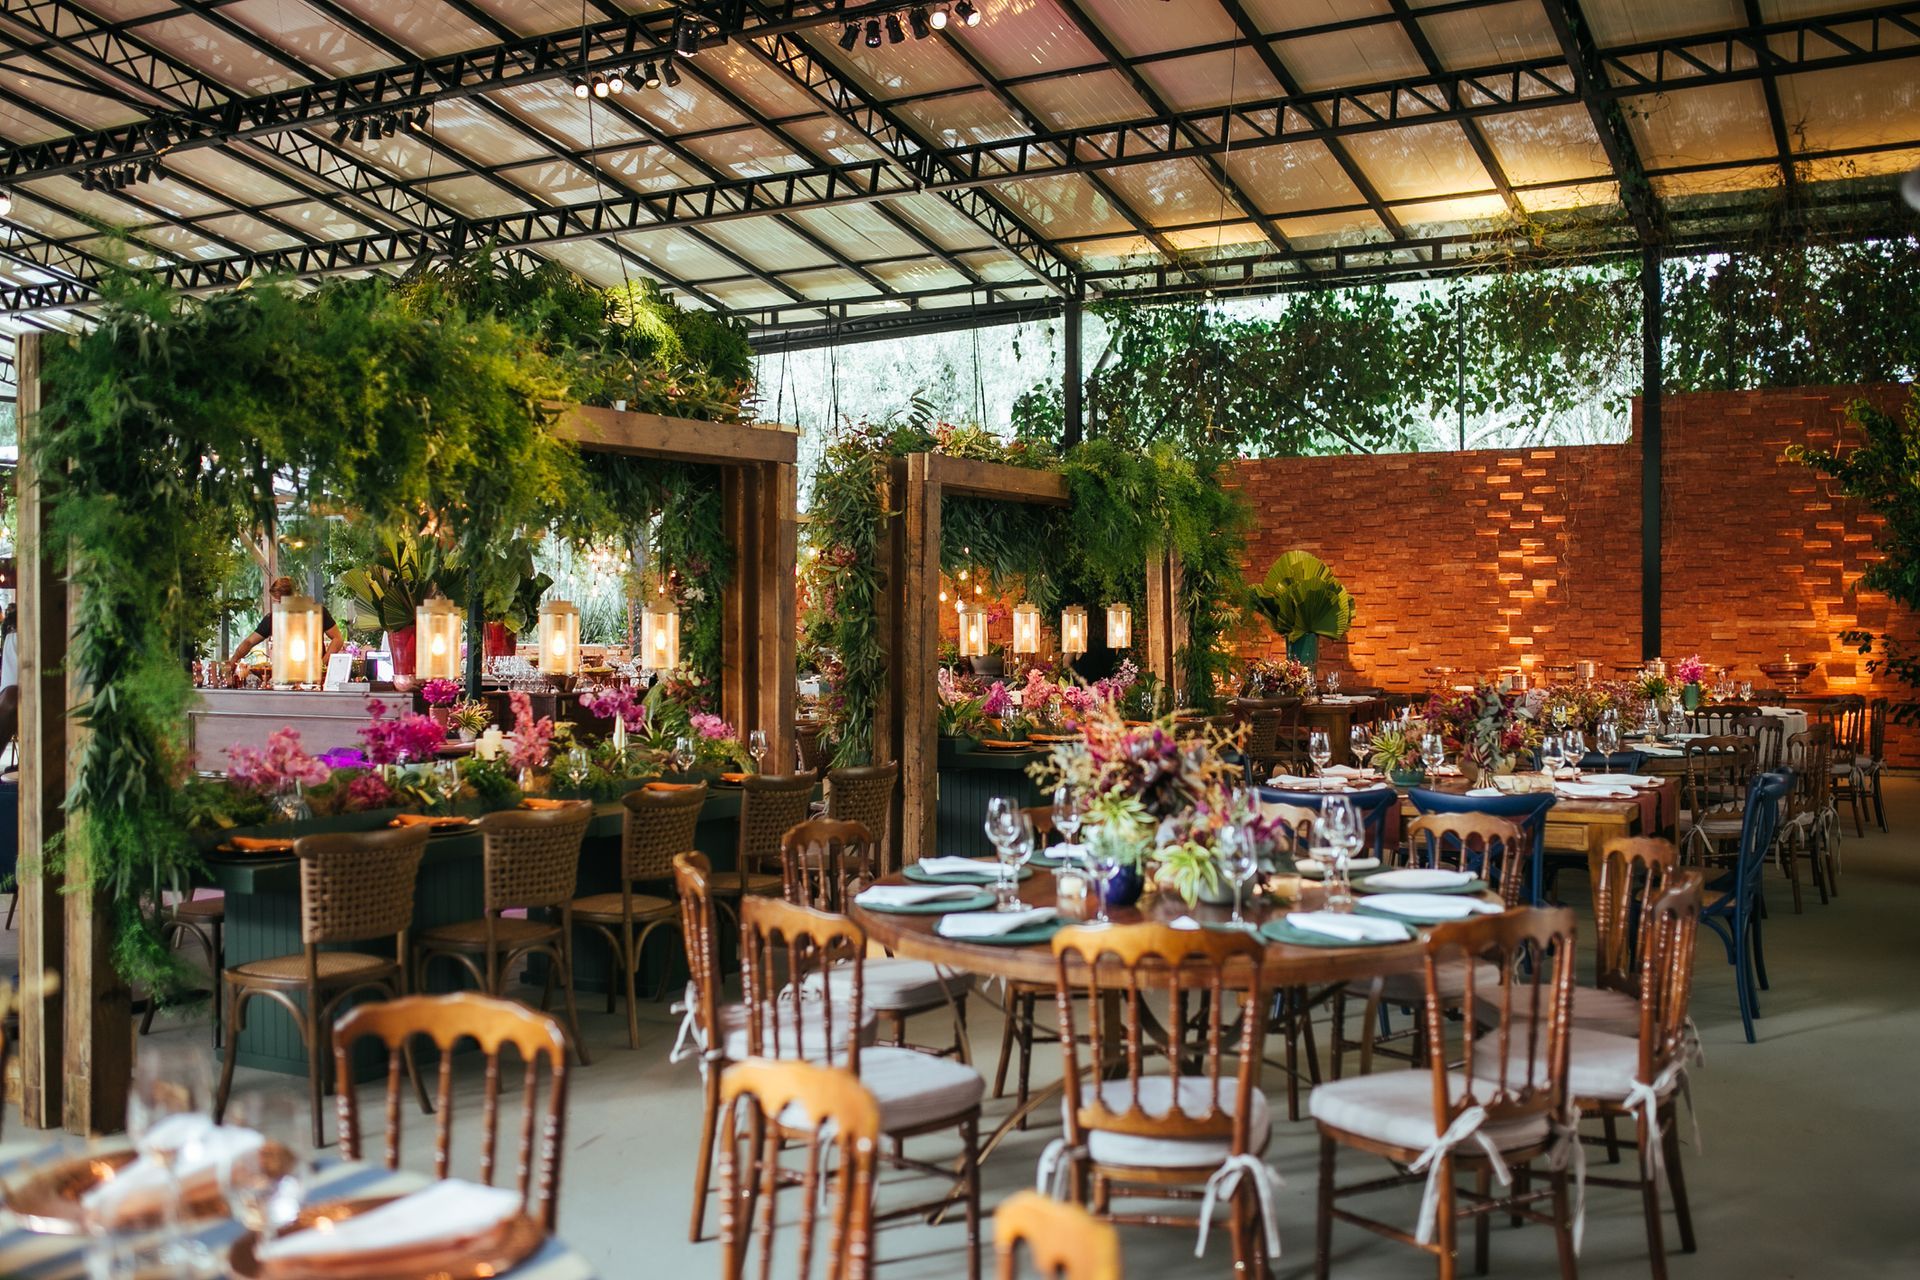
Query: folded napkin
x,y
1671,753
1591,791
1619,779
1352,771
260,844
1484,791
450,1210
144,1186
1348,928
951,866
1186,923
1444,771
992,924
1312,866
912,895
1437,906
1415,879
1067,852
1294,782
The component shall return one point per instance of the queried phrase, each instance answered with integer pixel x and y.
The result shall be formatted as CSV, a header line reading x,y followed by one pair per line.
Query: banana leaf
x,y
386,592
1300,597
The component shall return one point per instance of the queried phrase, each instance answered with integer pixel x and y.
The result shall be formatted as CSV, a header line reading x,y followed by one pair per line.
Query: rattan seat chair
x,y
771,804
531,863
355,888
658,825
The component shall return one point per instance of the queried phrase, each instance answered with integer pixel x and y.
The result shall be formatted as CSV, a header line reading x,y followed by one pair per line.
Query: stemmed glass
x,y
1013,855
1240,860
1553,753
1433,754
1333,684
1746,691
681,758
1319,750
1002,827
446,783
1069,811
266,1185
757,747
171,1082
1606,741
1574,744
1359,743
1106,865
1342,830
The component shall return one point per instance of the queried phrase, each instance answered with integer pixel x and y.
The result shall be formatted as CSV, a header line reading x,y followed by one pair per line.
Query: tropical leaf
x,y
1300,597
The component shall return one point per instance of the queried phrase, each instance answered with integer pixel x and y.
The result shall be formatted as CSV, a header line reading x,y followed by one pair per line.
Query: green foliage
x,y
491,781
846,532
1301,597
387,589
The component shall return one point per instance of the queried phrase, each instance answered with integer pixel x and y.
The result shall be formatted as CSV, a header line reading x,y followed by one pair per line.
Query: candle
x,y
492,744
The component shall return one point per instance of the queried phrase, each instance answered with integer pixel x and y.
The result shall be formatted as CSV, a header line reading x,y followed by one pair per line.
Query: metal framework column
x,y
1651,379
1071,376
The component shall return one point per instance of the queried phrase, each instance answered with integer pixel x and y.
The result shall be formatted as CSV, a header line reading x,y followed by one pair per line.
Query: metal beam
x,y
1609,123
1776,115
1476,136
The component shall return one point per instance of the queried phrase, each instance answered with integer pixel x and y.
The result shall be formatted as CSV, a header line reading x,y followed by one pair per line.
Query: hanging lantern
x,y
660,635
973,630
436,640
559,638
298,651
1026,628
1073,630
1119,626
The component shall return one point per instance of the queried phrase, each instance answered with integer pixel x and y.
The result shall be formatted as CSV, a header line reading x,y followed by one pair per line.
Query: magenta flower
x,y
999,701
440,692
710,727
621,701
531,739
368,791
281,765
403,739
1690,670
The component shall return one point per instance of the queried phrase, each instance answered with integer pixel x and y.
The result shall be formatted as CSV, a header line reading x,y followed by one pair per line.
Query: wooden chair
x,y
531,862
1439,1122
1276,742
1063,1240
1849,719
917,1093
1713,794
1720,719
865,795
1734,909
355,887
493,1024
1874,763
658,824
809,752
1022,1028
824,863
1203,1122
1627,874
771,805
1812,823
204,921
773,1106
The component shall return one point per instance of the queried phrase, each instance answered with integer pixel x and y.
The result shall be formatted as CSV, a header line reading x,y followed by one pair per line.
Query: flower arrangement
x,y
1690,670
962,713
998,701
530,741
470,718
1654,688
1484,725
1395,746
440,692
1040,697
282,765
406,738
1275,678
621,703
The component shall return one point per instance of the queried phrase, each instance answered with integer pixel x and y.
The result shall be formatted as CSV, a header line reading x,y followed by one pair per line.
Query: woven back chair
x,y
864,795
532,856
1713,790
772,805
824,863
772,1108
1626,875
1275,741
1491,847
659,824
1062,1240
358,886
809,752
493,1024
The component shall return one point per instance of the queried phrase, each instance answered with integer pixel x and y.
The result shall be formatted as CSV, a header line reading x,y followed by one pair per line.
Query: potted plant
x,y
440,695
962,714
1690,672
1394,749
1486,727
1302,601
386,593
469,719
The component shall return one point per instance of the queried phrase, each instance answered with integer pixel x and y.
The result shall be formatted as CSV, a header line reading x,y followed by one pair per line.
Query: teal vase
x,y
1306,649
1690,696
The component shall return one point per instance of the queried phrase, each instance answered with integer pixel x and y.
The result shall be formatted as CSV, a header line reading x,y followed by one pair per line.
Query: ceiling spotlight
x,y
600,87
87,181
850,36
6,202
967,13
918,21
146,174
686,39
894,34
650,75
580,89
938,19
673,75
359,131
340,132
873,33
616,83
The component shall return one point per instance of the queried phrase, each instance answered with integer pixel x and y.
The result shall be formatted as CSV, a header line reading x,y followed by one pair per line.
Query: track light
x,y
6,202
650,75
340,132
850,36
918,21
873,33
146,174
580,89
359,131
616,83
600,87
686,39
673,75
894,34
967,13
88,182
938,19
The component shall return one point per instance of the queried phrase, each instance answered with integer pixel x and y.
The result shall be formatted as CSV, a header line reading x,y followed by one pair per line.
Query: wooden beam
x,y
919,654
972,478
891,613
651,435
778,607
737,602
43,774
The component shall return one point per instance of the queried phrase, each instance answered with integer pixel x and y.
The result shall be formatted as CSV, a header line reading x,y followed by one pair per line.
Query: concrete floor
x,y
1811,1163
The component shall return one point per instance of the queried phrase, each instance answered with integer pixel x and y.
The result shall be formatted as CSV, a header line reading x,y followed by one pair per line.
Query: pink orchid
x,y
531,739
281,765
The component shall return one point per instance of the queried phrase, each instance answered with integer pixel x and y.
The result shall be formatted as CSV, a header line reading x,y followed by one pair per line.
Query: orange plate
x,y
995,744
1054,737
671,786
733,778
49,1201
541,802
480,1257
445,822
257,844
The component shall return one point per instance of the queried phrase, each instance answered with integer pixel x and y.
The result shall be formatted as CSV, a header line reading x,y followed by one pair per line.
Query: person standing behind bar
x,y
280,589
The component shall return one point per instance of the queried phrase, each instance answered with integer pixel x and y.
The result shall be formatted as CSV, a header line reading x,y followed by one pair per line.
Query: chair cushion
x,y
605,907
913,1089
765,884
1599,1065
334,966
1396,1107
211,910
1411,988
468,935
890,984
1596,1008
817,1040
1139,1151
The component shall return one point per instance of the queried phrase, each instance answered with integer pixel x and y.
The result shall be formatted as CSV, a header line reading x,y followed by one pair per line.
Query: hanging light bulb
x,y
1119,626
297,645
1073,630
436,640
1026,628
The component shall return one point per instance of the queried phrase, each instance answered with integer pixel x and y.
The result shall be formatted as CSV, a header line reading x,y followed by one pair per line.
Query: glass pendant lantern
x,y
559,638
1026,628
436,640
973,630
1073,630
660,635
298,648
1119,626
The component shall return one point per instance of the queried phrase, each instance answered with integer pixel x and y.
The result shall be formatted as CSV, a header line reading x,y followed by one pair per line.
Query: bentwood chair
x,y
1062,1240
917,1093
1713,795
1812,823
1733,910
1440,1122
864,794
1874,763
1849,719
714,1031
771,804
1627,875
1377,806
1528,811
531,862
824,863
355,888
770,1108
658,824
492,1024
1200,1123
1022,1027
203,920
1292,1013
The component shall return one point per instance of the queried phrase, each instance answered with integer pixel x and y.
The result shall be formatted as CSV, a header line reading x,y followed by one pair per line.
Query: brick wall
x,y
1501,558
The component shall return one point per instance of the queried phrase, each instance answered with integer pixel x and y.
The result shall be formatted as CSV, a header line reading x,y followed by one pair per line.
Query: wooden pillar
x,y
914,661
1166,627
890,611
737,602
1652,380
775,552
43,775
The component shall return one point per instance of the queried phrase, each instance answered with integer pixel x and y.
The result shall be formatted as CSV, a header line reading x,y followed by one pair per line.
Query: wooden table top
x,y
1287,965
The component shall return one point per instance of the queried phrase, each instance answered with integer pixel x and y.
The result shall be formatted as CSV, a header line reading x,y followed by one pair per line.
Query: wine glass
x,y
1069,810
1359,744
1553,753
1106,865
1013,855
681,758
757,747
1433,753
266,1185
1607,741
171,1087
1002,824
1333,684
1746,691
1240,860
1319,750
1333,857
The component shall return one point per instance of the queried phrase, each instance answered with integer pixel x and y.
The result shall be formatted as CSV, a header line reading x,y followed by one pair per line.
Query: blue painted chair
x,y
1618,762
1736,912
1374,805
1528,812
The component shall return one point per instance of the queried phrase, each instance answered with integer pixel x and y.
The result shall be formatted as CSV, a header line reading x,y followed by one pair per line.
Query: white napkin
x,y
1679,737
1187,923
912,895
1294,782
950,866
1445,771
1067,851
1591,791
991,924
1484,791
448,1210
1348,928
1312,867
1351,771
1670,753
1620,779
1415,879
1439,906
144,1186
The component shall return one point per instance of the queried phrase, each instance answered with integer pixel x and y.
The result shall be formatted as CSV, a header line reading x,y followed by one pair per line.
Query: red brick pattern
x,y
1500,558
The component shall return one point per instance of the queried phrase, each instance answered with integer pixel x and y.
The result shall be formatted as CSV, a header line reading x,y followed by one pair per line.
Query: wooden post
x,y
914,662
43,774
779,555
890,613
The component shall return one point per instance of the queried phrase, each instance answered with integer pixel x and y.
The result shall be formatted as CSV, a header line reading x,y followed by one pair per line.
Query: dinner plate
x,y
1315,871
1279,930
1370,906
977,902
435,825
995,744
988,875
1364,885
1032,935
272,851
49,1201
475,1257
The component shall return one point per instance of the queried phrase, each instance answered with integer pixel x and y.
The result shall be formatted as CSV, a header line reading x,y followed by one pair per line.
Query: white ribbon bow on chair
x,y
1056,1164
1566,1150
1465,1125
1226,1181
1648,1096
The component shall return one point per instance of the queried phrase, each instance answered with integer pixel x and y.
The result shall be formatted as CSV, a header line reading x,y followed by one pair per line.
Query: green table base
x,y
968,780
